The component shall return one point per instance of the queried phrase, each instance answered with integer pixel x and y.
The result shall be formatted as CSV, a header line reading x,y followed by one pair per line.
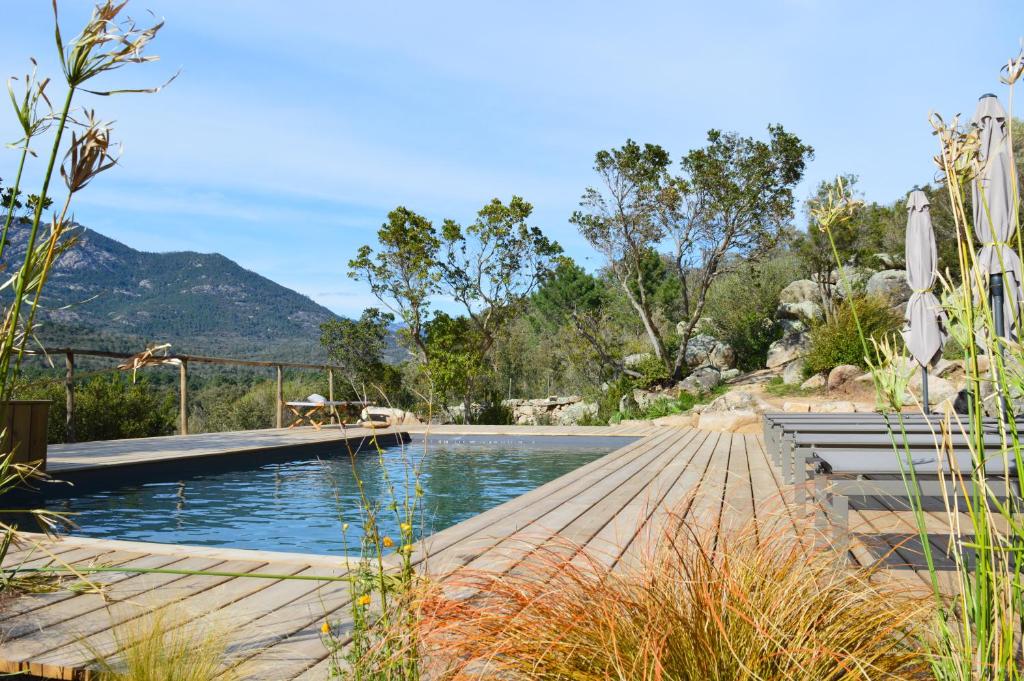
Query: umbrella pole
x,y
996,298
924,387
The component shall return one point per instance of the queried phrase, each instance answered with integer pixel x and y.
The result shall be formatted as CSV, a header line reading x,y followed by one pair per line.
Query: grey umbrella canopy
x,y
925,332
995,211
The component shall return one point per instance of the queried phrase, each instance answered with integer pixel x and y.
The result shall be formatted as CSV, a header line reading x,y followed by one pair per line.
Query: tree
x,y
403,274
494,264
357,346
489,267
455,361
734,198
570,296
620,221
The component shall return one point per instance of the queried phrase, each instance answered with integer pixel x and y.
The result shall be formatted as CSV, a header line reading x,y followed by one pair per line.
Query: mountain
x,y
105,295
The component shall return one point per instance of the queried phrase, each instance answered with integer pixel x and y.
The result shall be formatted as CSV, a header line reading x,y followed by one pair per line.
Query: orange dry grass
x,y
778,608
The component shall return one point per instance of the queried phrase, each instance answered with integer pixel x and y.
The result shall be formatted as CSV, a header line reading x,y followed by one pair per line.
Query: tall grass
x,y
164,645
979,620
740,604
382,642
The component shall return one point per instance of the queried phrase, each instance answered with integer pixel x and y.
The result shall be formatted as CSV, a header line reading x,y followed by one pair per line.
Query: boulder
x,y
815,382
722,356
834,407
891,285
738,400
796,407
645,398
841,375
807,312
789,326
939,390
702,380
730,421
705,350
575,413
636,359
853,279
704,326
889,261
793,373
387,416
677,421
800,291
730,374
787,349
627,403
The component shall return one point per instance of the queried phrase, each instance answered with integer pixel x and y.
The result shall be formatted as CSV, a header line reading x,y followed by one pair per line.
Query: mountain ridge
x,y
104,294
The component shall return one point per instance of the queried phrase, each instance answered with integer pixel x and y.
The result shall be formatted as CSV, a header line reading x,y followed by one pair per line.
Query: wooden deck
x,y
608,507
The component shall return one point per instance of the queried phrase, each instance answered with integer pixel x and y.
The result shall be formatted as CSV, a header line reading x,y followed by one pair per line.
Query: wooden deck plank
x,y
638,527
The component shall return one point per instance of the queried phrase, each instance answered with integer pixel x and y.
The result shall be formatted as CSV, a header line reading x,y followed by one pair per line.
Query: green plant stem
x,y
171,571
19,293
14,197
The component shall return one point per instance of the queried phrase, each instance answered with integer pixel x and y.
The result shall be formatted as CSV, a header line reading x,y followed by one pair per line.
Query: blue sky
x,y
295,126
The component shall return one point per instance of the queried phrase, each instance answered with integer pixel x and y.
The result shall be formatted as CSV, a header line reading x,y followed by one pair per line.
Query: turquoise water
x,y
300,505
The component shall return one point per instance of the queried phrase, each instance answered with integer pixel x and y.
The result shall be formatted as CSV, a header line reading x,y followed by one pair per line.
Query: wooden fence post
x,y
330,392
183,397
280,397
69,399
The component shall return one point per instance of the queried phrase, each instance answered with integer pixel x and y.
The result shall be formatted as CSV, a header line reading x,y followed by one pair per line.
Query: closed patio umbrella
x,y
925,331
995,215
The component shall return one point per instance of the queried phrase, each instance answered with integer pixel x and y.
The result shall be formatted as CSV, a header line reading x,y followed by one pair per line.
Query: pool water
x,y
301,505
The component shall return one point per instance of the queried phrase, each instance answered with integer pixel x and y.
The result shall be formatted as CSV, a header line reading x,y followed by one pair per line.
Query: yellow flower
x,y
387,542
406,528
407,548
364,600
326,628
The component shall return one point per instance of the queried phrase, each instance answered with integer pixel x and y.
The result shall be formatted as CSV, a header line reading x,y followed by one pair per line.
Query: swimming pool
x,y
301,504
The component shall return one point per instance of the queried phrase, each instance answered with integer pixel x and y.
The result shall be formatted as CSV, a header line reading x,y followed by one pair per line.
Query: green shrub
x,y
838,341
652,372
742,305
108,407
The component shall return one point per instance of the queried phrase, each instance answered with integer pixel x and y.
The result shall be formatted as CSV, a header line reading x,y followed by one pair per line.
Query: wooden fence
x,y
182,362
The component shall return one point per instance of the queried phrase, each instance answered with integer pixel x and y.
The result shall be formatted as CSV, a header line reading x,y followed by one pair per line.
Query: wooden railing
x,y
182,362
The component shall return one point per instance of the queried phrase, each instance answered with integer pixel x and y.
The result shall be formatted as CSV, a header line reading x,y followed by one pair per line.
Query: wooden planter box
x,y
25,430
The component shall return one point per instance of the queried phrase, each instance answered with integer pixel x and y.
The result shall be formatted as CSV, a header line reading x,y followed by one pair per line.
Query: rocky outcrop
x,y
841,375
815,382
793,373
807,312
890,285
387,416
701,381
800,291
554,410
788,348
737,400
737,411
704,350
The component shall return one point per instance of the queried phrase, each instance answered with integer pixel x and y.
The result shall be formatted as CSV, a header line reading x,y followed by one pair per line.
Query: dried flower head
x,y
837,208
1014,68
89,154
958,148
27,107
105,44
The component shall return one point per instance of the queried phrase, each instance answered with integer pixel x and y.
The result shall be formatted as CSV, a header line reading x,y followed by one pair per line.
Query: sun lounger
x,y
316,411
847,455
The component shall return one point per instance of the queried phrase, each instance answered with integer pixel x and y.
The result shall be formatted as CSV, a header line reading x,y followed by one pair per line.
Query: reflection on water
x,y
300,505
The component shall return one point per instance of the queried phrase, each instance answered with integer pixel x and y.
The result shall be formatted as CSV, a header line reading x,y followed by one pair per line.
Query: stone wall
x,y
553,410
